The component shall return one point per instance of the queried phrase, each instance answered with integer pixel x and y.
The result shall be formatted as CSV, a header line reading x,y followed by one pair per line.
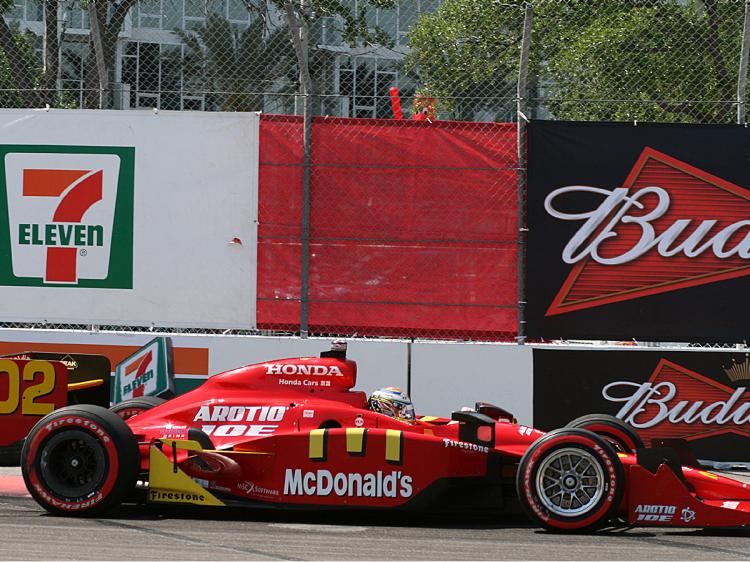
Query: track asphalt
x,y
148,533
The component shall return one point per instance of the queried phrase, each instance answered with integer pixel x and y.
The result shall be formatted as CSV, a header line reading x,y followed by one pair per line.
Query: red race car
x,y
291,433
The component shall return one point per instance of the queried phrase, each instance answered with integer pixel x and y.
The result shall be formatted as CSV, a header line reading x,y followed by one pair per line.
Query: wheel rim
x,y
570,482
73,464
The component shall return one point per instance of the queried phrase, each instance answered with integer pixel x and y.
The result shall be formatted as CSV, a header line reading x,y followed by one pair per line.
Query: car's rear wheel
x,y
619,433
80,460
570,480
134,406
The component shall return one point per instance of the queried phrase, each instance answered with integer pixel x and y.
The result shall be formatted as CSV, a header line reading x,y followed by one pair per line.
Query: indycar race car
x,y
291,433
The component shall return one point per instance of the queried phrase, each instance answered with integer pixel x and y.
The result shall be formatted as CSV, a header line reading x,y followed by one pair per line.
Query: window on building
x,y
72,65
153,73
75,15
173,15
34,10
25,10
364,84
150,14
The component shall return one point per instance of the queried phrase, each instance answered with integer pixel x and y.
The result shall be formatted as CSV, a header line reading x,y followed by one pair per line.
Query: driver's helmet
x,y
392,401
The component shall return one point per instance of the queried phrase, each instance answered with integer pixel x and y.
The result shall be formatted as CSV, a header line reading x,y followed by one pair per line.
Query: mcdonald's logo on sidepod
x,y
67,216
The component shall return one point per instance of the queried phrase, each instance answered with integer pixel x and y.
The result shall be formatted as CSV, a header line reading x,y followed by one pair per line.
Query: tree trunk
x,y
713,46
19,67
90,80
111,35
97,19
299,37
51,52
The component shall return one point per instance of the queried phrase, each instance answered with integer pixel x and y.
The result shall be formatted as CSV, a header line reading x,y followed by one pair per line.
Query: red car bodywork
x,y
304,427
292,433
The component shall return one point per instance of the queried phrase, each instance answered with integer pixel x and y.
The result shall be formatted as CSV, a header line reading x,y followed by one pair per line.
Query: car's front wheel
x,y
80,460
570,480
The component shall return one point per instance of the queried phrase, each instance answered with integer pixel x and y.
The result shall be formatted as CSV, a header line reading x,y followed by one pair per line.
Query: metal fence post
x,y
521,121
305,271
742,78
300,41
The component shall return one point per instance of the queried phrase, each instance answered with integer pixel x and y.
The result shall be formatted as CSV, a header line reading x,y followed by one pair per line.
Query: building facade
x,y
199,54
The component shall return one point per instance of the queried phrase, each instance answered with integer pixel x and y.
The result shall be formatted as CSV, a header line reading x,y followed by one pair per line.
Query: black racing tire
x,y
620,434
570,480
80,460
134,406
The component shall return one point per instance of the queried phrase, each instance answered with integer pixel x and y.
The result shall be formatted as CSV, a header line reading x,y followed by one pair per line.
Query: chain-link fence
x,y
656,60
461,65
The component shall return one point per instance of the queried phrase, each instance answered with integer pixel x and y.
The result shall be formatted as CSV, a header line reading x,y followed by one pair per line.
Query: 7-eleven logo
x,y
148,372
137,374
69,216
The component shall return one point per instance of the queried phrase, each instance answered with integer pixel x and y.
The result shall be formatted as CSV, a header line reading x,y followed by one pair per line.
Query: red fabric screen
x,y
413,227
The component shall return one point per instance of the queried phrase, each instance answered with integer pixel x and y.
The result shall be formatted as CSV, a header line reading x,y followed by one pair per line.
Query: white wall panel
x,y
167,192
447,376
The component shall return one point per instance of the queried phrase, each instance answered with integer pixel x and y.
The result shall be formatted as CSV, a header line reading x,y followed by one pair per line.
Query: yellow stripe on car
x,y
708,475
85,384
355,440
393,442
317,449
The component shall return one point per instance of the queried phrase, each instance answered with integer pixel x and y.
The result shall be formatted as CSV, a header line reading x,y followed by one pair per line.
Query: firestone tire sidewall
x,y
113,445
605,456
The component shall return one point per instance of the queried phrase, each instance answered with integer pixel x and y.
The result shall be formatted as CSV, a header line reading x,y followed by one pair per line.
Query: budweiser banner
x,y
638,231
699,396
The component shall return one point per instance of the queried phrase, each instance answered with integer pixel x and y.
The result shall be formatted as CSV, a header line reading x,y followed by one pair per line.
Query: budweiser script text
x,y
648,405
614,209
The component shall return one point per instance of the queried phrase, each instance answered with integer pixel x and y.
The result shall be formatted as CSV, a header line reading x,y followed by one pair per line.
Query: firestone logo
x,y
69,216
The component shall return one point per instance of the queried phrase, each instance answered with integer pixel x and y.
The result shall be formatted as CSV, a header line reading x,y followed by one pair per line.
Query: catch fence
x,y
392,197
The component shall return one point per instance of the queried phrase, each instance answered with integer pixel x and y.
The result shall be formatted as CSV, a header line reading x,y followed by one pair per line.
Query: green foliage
x,y
355,30
656,60
9,94
237,66
468,51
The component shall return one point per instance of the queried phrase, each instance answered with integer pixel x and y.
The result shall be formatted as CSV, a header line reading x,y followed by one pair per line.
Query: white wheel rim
x,y
570,482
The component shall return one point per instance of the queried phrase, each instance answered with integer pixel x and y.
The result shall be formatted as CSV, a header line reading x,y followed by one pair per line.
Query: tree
x,y
237,66
660,60
17,68
106,18
21,70
37,83
301,15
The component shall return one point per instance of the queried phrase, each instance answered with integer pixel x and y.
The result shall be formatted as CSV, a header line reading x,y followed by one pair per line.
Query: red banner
x,y
413,227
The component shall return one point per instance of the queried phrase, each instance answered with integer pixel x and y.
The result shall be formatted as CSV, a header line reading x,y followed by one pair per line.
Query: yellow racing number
x,y
29,404
9,369
29,401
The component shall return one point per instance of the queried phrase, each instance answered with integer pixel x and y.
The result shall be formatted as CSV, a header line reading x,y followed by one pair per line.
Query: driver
x,y
392,401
